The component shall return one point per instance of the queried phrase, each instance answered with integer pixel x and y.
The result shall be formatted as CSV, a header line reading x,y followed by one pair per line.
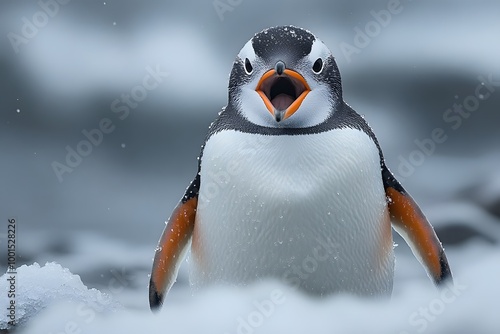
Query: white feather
x,y
309,209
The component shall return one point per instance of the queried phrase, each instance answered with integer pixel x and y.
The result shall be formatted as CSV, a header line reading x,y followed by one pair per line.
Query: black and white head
x,y
285,77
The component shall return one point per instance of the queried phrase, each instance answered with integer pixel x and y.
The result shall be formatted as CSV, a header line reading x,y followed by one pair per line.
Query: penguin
x,y
292,185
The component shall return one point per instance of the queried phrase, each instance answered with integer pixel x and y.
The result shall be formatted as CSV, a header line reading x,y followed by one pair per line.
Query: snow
x,y
40,287
56,301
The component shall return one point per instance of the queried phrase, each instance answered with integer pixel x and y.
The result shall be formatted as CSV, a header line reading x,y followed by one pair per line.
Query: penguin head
x,y
285,77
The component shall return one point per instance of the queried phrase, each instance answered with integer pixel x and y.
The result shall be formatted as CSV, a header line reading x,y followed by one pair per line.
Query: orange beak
x,y
282,91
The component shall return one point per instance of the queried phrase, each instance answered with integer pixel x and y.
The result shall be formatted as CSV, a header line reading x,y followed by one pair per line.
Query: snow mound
x,y
37,288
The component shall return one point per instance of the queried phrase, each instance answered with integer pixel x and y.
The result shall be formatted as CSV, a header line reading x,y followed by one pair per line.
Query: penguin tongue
x,y
282,101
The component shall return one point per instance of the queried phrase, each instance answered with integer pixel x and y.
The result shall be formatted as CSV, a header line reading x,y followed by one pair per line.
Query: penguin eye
x,y
318,65
248,66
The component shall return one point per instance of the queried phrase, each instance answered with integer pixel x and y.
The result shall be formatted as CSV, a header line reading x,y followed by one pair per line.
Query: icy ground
x,y
56,301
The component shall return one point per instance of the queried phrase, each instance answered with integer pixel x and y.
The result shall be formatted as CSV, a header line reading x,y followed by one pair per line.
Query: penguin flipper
x,y
172,246
409,221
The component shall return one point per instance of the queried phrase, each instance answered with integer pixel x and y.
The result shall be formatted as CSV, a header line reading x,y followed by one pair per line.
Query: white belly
x,y
308,209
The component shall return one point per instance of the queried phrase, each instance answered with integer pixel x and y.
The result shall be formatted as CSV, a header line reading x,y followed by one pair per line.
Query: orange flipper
x,y
409,221
172,246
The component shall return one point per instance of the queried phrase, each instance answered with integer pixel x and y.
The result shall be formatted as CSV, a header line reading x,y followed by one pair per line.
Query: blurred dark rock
x,y
486,195
458,234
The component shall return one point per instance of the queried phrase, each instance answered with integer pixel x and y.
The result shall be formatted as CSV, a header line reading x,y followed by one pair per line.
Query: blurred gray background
x,y
63,66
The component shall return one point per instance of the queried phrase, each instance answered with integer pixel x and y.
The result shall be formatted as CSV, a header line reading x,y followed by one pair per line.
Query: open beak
x,y
282,91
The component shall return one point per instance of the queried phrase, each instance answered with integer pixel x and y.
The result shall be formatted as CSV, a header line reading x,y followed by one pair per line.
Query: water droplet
x,y
18,110
123,145
104,3
456,96
114,23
